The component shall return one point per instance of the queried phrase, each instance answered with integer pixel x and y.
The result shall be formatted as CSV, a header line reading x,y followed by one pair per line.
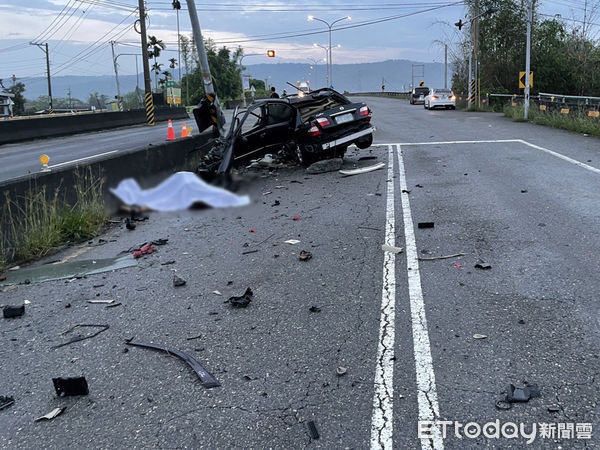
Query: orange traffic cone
x,y
184,131
170,132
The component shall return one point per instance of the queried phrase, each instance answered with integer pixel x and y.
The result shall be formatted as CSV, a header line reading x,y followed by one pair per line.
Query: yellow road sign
x,y
522,79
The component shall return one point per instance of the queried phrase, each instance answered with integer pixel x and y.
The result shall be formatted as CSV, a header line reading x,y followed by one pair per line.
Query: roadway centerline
x,y
426,387
382,423
504,141
82,159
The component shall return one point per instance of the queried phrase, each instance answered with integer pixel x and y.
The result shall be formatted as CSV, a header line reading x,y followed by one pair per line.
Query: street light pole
x,y
329,27
177,7
244,104
326,61
528,58
119,100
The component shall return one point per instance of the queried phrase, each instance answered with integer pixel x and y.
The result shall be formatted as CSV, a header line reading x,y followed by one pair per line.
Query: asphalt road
x,y
519,197
22,158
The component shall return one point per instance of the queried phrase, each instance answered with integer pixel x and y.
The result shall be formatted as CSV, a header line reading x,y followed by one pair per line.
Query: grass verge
x,y
39,222
577,122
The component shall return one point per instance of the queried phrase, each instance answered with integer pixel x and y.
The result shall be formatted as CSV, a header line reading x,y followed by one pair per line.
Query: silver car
x,y
440,98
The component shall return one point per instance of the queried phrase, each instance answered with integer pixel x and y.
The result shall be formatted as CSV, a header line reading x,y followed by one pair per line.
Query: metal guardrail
x,y
379,94
565,104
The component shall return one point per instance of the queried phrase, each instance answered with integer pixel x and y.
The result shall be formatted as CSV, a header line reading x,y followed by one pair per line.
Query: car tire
x,y
453,107
303,157
365,141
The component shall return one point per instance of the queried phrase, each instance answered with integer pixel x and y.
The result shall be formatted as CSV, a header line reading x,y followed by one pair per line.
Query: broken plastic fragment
x,y
143,250
518,395
312,429
52,414
304,255
243,300
178,281
13,311
341,371
426,224
296,218
483,265
5,402
217,293
70,386
105,302
479,336
208,381
292,241
392,249
314,309
363,169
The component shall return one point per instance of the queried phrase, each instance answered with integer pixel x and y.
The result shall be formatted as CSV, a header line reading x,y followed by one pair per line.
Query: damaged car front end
x,y
304,127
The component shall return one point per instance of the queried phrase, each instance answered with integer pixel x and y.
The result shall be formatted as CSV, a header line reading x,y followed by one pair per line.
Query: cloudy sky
x,y
78,31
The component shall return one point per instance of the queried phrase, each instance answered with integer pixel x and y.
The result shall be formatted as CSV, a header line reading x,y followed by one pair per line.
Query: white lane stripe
x,y
426,389
561,156
488,141
82,159
382,419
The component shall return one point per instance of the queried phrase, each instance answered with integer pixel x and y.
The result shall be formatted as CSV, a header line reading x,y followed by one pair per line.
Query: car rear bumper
x,y
349,138
442,104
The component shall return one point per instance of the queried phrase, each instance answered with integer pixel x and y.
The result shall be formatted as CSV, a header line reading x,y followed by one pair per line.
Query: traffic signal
x,y
271,53
459,24
422,83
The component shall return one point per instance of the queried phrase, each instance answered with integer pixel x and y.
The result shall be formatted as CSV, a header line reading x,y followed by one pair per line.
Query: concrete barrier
x,y
48,126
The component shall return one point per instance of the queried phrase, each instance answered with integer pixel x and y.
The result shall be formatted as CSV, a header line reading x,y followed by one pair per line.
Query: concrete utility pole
x,y
203,59
528,58
148,102
45,50
476,50
177,7
119,100
445,66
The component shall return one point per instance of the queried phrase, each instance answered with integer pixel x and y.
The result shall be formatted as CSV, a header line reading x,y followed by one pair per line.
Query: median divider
x,y
52,126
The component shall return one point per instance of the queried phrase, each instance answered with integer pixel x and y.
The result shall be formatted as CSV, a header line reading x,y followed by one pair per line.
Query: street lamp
x,y
242,76
177,6
329,26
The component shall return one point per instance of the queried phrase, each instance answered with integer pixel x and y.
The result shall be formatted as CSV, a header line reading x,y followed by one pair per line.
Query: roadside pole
x,y
148,102
203,59
528,58
119,100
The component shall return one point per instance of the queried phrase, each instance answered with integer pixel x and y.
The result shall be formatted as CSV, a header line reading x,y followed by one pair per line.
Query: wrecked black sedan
x,y
306,127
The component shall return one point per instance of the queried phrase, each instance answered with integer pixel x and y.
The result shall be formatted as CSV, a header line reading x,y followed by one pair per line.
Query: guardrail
x,y
565,104
379,94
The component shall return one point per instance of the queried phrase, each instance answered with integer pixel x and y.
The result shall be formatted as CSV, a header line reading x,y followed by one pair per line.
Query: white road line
x,y
505,141
561,156
82,159
426,389
383,400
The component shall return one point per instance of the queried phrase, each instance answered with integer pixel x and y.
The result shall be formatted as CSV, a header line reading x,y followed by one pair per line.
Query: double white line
x,y
382,424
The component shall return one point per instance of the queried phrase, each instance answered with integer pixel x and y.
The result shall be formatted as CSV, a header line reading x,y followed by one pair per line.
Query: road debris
x,y
518,395
292,241
304,255
426,224
457,265
324,166
81,338
248,252
524,191
143,250
314,309
243,300
130,224
66,387
405,191
553,409
360,170
392,249
276,203
312,429
341,371
479,336
10,312
419,185
367,158
296,218
433,258
168,263
113,305
482,265
105,302
207,380
6,402
178,281
180,191
217,292
52,414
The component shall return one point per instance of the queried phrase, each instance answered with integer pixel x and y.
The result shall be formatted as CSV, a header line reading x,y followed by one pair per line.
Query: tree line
x,y
565,59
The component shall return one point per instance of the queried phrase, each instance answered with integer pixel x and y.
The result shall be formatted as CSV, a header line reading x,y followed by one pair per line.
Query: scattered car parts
x,y
360,170
52,414
66,387
207,380
13,311
243,300
5,402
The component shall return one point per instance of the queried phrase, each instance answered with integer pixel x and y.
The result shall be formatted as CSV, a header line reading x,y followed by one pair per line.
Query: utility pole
x,y
44,48
476,51
148,102
528,58
69,96
445,66
203,59
119,100
177,7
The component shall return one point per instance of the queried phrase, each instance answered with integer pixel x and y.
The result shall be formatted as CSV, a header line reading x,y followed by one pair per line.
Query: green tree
x,y
155,47
19,101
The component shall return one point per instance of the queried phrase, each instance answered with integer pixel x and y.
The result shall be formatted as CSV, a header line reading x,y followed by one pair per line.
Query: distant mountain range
x,y
396,75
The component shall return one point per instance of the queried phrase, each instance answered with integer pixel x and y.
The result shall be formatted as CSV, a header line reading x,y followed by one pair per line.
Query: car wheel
x,y
453,107
365,141
304,158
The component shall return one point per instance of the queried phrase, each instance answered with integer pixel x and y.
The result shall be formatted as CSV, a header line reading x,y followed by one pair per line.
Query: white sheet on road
x,y
180,191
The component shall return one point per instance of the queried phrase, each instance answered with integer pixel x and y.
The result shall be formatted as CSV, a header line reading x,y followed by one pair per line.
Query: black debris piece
x,y
208,381
65,387
13,311
130,224
518,395
312,429
304,255
168,263
247,252
161,241
80,337
483,265
553,408
243,300
367,158
5,402
524,191
405,191
426,224
178,281
419,185
276,203
314,309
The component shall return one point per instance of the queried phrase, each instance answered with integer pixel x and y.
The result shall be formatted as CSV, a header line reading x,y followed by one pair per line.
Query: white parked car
x,y
440,98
